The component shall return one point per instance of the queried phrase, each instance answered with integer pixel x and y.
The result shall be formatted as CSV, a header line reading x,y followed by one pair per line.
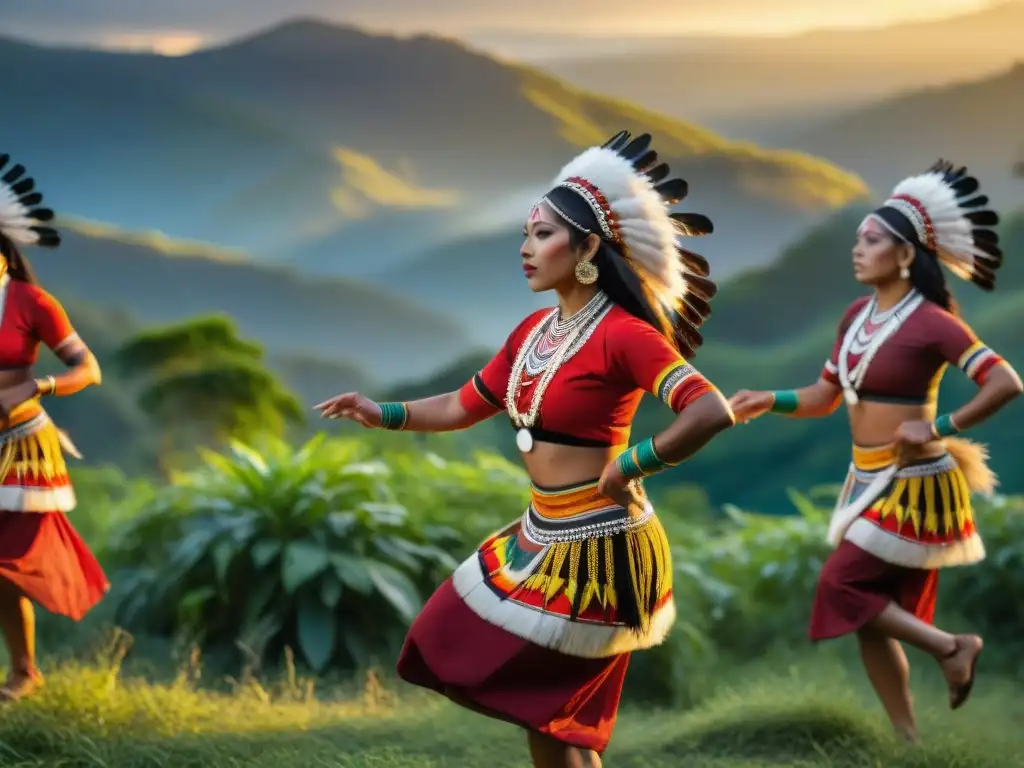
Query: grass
x,y
815,713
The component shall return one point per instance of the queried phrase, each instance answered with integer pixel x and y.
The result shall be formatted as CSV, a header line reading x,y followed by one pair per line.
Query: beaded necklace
x,y
546,349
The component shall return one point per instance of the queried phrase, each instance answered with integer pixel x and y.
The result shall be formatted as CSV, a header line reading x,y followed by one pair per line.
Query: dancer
x,y
905,509
42,559
536,627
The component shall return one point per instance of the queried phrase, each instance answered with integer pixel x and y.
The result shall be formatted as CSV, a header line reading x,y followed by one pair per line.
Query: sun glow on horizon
x,y
162,42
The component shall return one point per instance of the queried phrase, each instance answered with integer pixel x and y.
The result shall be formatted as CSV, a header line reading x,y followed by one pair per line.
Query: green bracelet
x,y
785,401
641,460
943,426
393,415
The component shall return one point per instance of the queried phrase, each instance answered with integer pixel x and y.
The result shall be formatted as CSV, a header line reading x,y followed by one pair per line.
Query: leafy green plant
x,y
307,547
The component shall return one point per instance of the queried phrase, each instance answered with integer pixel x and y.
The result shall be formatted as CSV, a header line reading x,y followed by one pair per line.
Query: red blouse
x,y
592,399
909,366
29,316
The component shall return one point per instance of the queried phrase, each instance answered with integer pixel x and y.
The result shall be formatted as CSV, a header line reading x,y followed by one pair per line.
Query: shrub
x,y
310,547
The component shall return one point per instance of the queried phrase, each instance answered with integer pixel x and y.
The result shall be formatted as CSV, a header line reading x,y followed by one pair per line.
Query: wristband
x,y
785,401
49,387
641,460
944,426
393,416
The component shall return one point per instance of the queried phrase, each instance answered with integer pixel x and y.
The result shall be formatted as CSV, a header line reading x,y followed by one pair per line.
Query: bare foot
x,y
20,686
959,666
909,735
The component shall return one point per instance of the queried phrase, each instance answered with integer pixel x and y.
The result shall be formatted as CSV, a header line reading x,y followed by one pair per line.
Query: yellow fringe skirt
x,y
917,515
33,474
577,574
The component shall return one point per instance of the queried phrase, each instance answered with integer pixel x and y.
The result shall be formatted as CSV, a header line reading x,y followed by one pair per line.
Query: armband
x,y
785,401
944,426
393,416
641,460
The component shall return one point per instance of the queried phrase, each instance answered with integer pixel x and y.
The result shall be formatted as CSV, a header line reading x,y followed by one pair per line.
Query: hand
x,y
12,397
915,433
747,404
617,487
353,406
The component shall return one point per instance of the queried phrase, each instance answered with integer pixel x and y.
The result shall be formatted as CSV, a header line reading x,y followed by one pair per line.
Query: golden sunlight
x,y
163,43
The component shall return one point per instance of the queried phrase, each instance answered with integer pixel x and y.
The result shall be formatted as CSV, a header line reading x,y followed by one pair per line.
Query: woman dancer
x,y
537,626
905,509
42,559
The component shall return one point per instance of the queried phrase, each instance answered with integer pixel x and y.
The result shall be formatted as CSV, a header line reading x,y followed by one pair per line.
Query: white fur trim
x,y
20,498
575,638
642,217
914,554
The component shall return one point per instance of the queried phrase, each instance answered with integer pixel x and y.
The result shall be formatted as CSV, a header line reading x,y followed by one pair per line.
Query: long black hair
x,y
926,273
18,265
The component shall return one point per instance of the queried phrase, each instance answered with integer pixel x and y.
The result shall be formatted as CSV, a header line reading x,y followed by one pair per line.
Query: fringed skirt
x,y
537,626
41,555
893,528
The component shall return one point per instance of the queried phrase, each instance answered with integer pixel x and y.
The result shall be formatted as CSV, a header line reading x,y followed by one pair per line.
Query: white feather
x,y
15,221
643,219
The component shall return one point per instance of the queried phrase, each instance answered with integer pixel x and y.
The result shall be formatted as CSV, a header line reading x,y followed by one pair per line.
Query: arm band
x,y
785,401
944,426
393,416
641,460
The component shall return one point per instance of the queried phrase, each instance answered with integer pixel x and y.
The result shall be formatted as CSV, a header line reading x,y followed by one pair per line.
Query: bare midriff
x,y
874,424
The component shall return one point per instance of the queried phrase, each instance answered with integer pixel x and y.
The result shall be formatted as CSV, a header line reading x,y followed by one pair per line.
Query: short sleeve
x,y
484,394
830,372
50,322
646,358
958,345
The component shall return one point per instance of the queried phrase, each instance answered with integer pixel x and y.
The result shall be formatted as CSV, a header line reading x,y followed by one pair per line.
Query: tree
x,y
203,384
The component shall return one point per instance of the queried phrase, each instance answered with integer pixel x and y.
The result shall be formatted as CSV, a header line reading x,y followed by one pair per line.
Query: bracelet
x,y
50,388
785,401
393,415
641,460
944,426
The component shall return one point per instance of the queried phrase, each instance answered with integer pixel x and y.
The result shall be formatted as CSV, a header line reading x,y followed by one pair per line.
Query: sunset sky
x,y
181,25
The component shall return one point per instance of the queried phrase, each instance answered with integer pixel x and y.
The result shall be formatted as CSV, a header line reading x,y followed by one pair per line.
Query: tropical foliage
x,y
326,548
332,549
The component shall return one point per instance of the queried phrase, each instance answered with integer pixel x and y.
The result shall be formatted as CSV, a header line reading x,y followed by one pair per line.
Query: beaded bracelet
x,y
944,426
641,460
393,415
785,401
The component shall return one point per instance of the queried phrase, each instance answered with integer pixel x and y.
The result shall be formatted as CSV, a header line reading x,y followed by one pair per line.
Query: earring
x,y
586,272
904,273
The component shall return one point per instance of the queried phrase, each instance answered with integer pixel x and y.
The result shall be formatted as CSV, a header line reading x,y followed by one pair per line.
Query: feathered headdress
x,y
949,219
22,219
623,185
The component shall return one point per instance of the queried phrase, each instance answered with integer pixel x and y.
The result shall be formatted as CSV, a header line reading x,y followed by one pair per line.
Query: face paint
x,y
535,213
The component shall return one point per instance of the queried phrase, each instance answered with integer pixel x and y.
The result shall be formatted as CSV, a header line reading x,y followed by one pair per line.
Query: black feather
x,y
41,214
673,190
29,200
25,185
702,307
647,160
966,186
694,262
636,147
48,237
701,287
658,173
617,141
3,160
985,236
13,174
983,218
975,202
692,224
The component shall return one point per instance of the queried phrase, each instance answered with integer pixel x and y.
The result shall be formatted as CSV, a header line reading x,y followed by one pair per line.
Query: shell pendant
x,y
851,396
524,440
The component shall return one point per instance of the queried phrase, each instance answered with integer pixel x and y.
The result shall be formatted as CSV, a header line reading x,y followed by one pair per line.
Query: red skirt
x,y
47,561
855,586
451,650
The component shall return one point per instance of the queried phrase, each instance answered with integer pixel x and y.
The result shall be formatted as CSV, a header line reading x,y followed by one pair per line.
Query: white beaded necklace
x,y
580,326
859,341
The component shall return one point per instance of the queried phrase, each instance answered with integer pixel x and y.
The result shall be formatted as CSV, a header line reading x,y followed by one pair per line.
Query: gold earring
x,y
905,273
586,272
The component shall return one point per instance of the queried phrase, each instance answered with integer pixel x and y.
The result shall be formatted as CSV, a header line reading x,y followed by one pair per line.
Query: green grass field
x,y
813,713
